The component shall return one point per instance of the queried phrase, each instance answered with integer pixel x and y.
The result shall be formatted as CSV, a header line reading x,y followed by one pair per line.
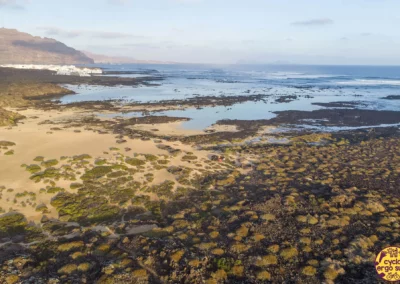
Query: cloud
x,y
54,31
249,41
12,4
314,22
187,1
141,45
366,34
118,2
125,2
6,2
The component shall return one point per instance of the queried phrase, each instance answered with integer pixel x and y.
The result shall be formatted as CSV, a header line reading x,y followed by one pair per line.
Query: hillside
x,y
22,48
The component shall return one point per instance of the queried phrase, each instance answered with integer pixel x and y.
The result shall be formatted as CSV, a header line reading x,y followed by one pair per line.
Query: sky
x,y
351,32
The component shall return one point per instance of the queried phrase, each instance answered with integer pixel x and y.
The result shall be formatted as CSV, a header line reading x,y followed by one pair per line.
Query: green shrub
x,y
49,163
33,169
6,144
9,153
12,223
134,162
39,159
70,246
97,172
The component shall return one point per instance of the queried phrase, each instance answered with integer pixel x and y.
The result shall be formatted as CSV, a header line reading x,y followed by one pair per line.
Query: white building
x,y
59,69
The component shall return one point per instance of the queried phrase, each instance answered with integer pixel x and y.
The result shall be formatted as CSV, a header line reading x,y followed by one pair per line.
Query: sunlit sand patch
x,y
52,142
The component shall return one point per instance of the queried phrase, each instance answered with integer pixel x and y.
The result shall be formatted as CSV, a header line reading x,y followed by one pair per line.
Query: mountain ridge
x,y
22,48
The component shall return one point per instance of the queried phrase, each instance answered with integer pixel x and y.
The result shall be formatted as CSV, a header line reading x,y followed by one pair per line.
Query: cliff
x,y
22,48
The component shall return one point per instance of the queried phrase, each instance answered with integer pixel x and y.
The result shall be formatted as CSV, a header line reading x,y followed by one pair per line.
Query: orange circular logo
x,y
387,264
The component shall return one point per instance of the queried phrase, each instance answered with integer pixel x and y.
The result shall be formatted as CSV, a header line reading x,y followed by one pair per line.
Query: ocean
x,y
364,85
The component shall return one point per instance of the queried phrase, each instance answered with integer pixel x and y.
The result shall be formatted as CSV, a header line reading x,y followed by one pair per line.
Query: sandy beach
x,y
33,139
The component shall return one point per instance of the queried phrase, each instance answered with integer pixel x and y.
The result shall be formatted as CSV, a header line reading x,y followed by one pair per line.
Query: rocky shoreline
x,y
87,198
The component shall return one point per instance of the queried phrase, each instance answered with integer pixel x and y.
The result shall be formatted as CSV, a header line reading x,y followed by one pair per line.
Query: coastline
x,y
107,198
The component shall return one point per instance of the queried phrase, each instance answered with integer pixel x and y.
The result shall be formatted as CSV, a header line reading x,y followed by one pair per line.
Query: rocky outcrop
x,y
8,118
22,48
24,94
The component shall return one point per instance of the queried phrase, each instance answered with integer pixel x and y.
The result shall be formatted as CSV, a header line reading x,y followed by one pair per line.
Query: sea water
x,y
311,84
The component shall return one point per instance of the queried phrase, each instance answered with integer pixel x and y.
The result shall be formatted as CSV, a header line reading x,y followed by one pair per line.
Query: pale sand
x,y
33,140
223,128
172,129
264,130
